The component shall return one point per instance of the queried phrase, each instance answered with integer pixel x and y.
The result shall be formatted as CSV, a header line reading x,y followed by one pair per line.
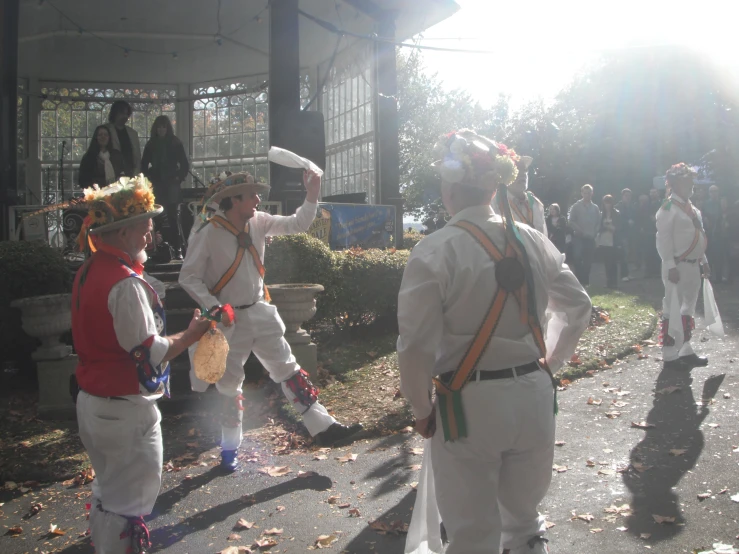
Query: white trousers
x,y
124,442
687,288
259,329
489,484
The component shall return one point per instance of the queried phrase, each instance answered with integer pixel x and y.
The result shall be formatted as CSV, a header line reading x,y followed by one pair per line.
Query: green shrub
x,y
26,269
360,285
411,239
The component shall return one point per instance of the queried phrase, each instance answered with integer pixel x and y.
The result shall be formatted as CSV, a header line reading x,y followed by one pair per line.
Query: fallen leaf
x,y
619,404
583,517
596,530
273,531
344,505
236,550
663,519
323,541
622,528
594,402
415,467
643,425
234,537
550,524
559,469
320,457
275,471
645,536
354,512
678,451
668,390
713,425
559,443
727,395
590,462
306,474
17,530
704,495
333,499
640,467
735,498
417,451
407,430
265,543
347,458
606,471
243,524
613,414
622,510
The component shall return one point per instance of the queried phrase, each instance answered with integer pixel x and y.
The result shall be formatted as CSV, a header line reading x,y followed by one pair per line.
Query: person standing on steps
x,y
681,243
101,165
165,164
224,267
118,328
526,208
124,138
487,309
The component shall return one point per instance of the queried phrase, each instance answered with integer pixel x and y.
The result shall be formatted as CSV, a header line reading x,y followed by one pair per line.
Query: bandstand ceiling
x,y
82,40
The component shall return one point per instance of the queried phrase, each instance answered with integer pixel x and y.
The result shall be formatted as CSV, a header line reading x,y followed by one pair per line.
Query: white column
x,y
183,111
33,161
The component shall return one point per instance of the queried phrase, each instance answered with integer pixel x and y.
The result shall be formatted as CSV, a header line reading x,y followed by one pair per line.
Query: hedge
x,y
360,285
26,269
411,239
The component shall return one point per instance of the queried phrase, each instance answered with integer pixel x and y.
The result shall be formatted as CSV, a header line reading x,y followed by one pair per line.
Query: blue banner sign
x,y
343,226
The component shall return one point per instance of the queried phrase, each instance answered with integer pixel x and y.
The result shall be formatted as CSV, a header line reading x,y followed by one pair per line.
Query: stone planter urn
x,y
46,318
296,304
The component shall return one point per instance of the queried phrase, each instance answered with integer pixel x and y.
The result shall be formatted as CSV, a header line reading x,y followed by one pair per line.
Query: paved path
x,y
698,422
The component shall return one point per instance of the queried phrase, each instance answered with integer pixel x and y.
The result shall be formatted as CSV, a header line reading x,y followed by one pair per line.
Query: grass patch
x,y
363,377
632,320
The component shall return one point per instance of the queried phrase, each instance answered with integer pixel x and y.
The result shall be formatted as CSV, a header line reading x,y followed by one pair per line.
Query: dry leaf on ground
x,y
663,519
273,531
275,471
243,524
559,469
324,541
347,458
583,517
643,425
234,537
594,402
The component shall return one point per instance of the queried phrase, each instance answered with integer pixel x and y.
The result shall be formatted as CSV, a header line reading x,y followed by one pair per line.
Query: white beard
x,y
141,257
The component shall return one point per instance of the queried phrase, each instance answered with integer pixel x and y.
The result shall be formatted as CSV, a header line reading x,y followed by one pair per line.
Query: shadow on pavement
x,y
171,534
387,469
677,420
370,541
167,501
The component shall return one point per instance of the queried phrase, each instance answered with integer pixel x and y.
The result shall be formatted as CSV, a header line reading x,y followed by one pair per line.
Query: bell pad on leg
x,y
305,392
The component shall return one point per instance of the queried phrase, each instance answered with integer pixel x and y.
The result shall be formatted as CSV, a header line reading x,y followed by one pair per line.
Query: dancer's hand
x,y
198,325
312,184
673,275
706,271
426,427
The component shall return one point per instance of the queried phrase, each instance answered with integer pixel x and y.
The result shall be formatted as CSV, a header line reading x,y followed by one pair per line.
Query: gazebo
x,y
235,76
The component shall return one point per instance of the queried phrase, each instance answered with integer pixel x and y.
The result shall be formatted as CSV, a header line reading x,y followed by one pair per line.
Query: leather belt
x,y
508,373
244,306
678,260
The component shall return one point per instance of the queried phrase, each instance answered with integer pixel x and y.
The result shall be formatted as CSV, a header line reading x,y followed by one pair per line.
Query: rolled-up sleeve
x,y
420,321
129,303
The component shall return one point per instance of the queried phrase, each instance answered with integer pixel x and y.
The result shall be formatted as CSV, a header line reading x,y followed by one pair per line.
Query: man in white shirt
x,y
526,208
484,306
584,219
681,243
224,265
123,366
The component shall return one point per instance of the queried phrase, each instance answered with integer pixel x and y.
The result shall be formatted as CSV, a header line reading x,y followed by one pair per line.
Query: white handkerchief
x,y
284,157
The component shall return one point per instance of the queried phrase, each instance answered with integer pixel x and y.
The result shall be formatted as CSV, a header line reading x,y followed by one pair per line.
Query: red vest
x,y
104,368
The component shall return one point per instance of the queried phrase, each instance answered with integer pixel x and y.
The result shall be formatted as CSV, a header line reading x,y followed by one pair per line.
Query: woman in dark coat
x,y
557,228
164,162
100,165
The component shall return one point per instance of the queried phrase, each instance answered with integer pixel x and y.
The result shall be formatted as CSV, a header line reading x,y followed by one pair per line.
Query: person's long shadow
x,y
170,534
369,541
655,470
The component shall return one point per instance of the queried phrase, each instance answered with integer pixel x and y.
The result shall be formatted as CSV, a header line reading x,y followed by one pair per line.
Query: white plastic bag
x,y
424,532
280,156
713,317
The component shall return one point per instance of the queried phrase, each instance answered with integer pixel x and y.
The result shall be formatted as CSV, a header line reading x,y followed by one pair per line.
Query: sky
x,y
539,45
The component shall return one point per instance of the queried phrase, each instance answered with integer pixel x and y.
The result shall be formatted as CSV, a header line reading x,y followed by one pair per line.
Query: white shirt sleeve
x,y
192,273
299,222
540,221
133,319
568,309
665,239
421,324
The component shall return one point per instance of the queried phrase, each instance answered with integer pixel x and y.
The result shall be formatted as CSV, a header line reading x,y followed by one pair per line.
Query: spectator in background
x,y
712,218
584,220
609,240
123,137
559,232
733,246
627,209
652,259
100,165
165,164
719,243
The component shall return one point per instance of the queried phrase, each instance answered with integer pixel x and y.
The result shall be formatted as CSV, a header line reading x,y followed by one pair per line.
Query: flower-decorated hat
x,y
680,171
120,204
474,160
229,184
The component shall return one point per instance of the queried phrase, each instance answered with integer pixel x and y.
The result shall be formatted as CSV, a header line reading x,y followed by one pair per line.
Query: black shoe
x,y
336,433
676,364
177,254
694,360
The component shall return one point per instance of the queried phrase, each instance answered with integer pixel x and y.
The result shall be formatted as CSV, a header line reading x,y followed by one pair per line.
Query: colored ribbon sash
x,y
245,243
699,232
449,394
